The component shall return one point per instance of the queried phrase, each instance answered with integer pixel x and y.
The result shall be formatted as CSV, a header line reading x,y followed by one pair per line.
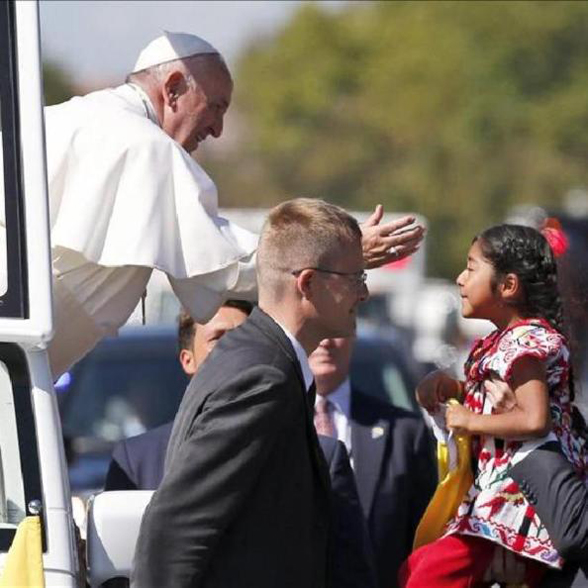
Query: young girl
x,y
511,280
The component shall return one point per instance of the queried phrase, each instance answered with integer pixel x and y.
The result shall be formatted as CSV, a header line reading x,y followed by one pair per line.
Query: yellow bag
x,y
24,562
450,492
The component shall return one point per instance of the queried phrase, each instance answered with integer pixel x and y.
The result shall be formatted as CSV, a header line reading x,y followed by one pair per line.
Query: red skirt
x,y
456,561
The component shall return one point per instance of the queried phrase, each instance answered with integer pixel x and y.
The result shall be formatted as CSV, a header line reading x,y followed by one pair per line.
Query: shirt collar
x,y
340,397
301,356
149,110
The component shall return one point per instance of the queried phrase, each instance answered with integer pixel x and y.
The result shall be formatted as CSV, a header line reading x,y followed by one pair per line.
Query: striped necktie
x,y
323,417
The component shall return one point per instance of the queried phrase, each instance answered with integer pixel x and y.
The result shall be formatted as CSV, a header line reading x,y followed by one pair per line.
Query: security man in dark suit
x,y
245,498
391,453
138,462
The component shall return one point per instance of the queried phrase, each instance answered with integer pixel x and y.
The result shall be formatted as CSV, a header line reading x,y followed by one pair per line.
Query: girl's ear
x,y
510,288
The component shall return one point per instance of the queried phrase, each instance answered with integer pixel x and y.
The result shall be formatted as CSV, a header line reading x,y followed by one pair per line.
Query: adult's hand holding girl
x,y
437,388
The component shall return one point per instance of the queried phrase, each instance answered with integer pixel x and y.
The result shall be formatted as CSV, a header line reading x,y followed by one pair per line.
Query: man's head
x,y
189,85
196,341
310,268
329,363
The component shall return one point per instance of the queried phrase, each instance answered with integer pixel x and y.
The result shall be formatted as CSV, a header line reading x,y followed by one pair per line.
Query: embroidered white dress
x,y
494,507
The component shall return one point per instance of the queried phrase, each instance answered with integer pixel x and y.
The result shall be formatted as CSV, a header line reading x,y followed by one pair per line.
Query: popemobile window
x,y
3,278
13,274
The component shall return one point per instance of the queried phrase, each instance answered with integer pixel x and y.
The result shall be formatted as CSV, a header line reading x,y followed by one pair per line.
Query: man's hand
x,y
457,418
500,395
436,388
383,244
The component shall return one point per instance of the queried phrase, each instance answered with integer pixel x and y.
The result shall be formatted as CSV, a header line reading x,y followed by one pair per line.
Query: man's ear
x,y
304,283
188,362
510,288
173,86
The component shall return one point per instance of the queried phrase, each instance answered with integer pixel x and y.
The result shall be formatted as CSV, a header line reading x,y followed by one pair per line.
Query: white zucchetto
x,y
171,46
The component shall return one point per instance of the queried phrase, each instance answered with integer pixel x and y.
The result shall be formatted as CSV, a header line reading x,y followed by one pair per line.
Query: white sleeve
x,y
124,193
90,301
202,296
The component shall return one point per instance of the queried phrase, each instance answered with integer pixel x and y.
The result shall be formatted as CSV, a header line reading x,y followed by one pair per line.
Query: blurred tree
x,y
454,110
57,84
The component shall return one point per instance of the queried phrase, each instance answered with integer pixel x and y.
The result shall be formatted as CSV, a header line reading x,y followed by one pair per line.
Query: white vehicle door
x,y
33,477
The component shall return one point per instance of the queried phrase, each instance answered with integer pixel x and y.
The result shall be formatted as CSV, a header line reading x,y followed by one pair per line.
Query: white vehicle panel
x,y
38,327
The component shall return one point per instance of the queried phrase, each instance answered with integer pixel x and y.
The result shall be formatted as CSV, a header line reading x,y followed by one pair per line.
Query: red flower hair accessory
x,y
557,239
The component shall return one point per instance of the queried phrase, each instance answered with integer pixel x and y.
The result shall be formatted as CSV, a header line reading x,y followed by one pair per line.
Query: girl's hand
x,y
458,418
436,388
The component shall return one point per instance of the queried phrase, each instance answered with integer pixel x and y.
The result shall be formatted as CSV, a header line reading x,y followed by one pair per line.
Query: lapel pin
x,y
377,432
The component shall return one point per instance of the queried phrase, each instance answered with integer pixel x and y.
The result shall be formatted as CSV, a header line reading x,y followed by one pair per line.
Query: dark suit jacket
x,y
352,563
244,502
137,464
551,486
396,475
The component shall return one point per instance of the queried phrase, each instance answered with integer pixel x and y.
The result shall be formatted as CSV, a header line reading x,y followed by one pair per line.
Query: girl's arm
x,y
437,387
529,418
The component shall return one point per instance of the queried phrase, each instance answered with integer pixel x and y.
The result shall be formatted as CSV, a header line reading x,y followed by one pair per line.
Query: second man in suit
x,y
391,454
137,462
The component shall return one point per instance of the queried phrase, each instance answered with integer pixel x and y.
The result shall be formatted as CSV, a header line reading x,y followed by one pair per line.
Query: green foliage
x,y
57,84
455,110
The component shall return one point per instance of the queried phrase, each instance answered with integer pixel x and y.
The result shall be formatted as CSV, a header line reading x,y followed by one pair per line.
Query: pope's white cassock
x,y
126,198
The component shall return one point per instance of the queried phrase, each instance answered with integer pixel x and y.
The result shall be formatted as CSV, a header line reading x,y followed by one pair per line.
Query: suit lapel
x,y
266,324
369,438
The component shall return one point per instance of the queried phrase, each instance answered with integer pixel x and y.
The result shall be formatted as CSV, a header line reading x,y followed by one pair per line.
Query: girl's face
x,y
478,298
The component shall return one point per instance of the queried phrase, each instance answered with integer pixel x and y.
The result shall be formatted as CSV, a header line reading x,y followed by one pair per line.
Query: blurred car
x,y
134,382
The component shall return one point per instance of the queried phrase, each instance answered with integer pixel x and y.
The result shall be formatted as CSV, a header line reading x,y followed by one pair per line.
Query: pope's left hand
x,y
385,243
457,418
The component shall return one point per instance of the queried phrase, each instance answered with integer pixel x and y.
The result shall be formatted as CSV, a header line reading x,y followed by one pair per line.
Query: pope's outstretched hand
x,y
385,243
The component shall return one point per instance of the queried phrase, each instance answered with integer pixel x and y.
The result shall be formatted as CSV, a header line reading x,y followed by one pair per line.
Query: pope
x,y
126,197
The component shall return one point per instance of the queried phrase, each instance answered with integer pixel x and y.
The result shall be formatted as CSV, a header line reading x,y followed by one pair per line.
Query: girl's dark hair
x,y
524,251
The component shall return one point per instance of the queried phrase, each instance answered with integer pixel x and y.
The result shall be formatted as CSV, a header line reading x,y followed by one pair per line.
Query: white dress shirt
x,y
301,356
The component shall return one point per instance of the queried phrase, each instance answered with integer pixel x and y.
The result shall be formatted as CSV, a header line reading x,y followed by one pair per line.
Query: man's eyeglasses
x,y
358,279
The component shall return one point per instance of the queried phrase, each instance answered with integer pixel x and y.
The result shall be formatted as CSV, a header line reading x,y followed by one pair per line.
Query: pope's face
x,y
200,109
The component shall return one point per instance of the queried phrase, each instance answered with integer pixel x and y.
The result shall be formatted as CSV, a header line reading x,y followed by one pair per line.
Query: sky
x,y
99,41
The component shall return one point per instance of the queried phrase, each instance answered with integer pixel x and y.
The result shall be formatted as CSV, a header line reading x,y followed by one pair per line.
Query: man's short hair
x,y
302,233
187,326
